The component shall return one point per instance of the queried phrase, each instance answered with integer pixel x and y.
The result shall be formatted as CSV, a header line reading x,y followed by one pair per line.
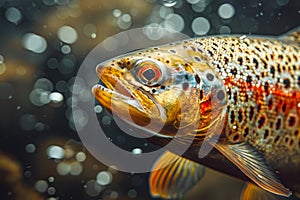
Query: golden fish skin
x,y
251,84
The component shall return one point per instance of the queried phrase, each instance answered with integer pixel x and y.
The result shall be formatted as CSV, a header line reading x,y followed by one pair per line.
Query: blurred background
x,y
43,43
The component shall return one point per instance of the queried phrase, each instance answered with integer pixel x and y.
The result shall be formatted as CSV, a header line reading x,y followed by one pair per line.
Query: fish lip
x,y
119,91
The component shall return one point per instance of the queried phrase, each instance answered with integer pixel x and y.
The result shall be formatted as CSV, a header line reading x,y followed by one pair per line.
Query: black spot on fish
x,y
232,116
197,59
220,95
185,85
210,76
162,87
261,122
287,83
266,134
249,79
251,113
278,124
246,132
172,51
197,78
292,121
240,60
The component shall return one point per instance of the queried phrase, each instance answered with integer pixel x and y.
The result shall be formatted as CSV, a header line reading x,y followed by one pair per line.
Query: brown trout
x,y
240,95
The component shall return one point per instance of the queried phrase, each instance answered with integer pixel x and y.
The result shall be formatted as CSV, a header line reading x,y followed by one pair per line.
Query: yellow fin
x,y
174,180
253,192
293,36
253,164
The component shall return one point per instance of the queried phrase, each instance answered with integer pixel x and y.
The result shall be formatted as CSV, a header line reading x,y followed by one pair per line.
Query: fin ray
x,y
174,180
252,164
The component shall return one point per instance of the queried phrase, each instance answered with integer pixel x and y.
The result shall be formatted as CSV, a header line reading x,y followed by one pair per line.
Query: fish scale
x,y
241,95
252,77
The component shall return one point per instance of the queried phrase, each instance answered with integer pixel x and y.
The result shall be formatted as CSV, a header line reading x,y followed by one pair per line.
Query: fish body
x,y
238,94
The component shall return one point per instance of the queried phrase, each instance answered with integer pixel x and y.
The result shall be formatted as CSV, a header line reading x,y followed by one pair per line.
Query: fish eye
x,y
148,72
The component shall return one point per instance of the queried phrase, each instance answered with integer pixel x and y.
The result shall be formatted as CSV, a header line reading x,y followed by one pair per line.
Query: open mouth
x,y
116,91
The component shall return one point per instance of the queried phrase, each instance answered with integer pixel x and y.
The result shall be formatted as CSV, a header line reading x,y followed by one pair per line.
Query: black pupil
x,y
149,74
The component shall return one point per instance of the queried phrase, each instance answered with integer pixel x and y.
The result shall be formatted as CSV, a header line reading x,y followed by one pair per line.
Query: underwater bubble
x,y
114,195
282,2
226,11
110,44
53,63
27,122
49,2
200,26
92,188
154,31
51,179
56,97
93,35
132,193
124,22
1,59
41,186
34,43
174,22
117,12
225,30
66,49
44,84
55,152
27,174
81,118
137,151
6,90
61,86
67,34
85,95
76,169
193,1
51,191
89,29
39,126
80,156
39,97
199,7
30,148
62,2
13,15
104,178
106,120
98,109
169,3
63,168
165,11
66,66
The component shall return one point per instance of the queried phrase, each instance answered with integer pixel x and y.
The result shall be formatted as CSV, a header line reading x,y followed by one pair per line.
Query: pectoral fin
x,y
253,192
177,177
253,164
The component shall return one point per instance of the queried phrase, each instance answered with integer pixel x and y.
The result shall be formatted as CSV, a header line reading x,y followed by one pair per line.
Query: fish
x,y
236,95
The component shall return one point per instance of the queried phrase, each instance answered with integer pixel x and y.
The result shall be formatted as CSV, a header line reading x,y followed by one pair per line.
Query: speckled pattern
x,y
260,75
262,79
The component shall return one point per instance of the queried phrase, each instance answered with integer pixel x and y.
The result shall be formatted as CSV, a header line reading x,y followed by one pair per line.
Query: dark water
x,y
43,43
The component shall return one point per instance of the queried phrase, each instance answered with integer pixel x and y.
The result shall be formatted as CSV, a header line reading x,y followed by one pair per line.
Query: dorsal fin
x,y
293,35
174,180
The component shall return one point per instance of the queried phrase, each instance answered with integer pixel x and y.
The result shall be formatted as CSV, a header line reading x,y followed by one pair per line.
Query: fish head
x,y
161,87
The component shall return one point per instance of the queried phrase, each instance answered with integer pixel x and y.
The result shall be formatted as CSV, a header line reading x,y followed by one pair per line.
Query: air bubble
x,y
200,26
117,12
169,3
67,34
226,11
225,30
92,188
13,15
63,168
55,152
56,97
104,178
34,43
66,49
98,109
174,22
30,148
41,186
80,156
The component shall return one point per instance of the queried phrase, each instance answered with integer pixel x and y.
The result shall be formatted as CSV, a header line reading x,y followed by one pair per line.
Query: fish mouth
x,y
115,91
